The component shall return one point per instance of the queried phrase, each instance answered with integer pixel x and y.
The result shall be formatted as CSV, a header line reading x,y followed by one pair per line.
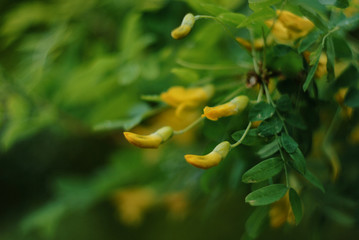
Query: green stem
x,y
259,98
243,136
189,127
284,163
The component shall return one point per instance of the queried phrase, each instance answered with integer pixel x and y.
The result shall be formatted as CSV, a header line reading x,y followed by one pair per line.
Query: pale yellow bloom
x,y
184,29
281,212
322,65
187,98
133,203
258,43
339,97
352,9
211,159
150,141
236,105
289,27
354,135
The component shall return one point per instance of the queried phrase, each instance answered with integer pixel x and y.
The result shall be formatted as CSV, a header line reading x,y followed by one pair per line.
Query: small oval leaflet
x,y
266,195
263,170
296,205
288,143
261,111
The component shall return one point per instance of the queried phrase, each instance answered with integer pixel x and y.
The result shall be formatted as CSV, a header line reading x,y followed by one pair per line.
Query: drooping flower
x,y
289,27
281,212
187,98
236,105
184,29
153,140
211,159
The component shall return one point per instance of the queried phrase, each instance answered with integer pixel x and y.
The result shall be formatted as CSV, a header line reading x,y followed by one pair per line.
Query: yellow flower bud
x,y
211,159
150,141
322,65
184,29
236,105
189,98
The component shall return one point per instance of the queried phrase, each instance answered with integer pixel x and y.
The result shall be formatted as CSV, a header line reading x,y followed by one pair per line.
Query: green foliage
x,y
75,74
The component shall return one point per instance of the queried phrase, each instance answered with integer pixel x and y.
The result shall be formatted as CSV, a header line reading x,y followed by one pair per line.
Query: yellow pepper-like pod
x,y
187,98
211,159
236,105
184,29
153,140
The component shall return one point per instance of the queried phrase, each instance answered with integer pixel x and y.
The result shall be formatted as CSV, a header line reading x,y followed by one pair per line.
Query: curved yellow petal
x,y
258,43
295,23
153,140
233,107
143,141
289,27
207,161
185,28
211,159
181,32
192,96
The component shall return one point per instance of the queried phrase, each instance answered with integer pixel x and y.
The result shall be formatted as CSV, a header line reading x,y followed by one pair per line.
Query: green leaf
x,y
255,221
256,5
295,120
232,18
263,170
282,50
310,75
186,75
296,205
213,9
352,98
314,180
268,150
284,104
308,41
258,16
288,143
331,58
298,161
251,139
349,77
337,3
315,18
350,23
261,111
270,127
266,195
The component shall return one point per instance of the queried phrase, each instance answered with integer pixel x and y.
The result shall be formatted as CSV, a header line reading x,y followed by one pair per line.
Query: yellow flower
x,y
236,105
150,141
281,212
289,27
133,203
258,43
211,159
185,28
339,97
184,99
322,65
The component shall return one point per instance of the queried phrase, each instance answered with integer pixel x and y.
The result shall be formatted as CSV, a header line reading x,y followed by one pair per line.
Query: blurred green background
x,y
71,76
